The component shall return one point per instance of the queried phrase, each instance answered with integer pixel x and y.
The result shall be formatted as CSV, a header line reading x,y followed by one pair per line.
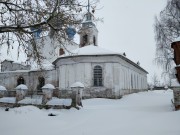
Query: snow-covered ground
x,y
145,113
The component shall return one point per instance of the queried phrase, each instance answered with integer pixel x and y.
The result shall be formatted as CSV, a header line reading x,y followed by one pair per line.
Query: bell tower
x,y
88,32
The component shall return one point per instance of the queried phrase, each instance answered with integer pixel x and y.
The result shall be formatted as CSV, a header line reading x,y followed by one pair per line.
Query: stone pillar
x,y
77,90
21,92
47,93
2,91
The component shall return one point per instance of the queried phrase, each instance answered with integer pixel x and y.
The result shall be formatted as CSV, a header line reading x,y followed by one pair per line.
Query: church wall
x,y
18,66
121,83
49,76
96,59
130,79
80,72
6,66
70,74
9,79
88,75
62,79
108,75
116,79
119,76
91,32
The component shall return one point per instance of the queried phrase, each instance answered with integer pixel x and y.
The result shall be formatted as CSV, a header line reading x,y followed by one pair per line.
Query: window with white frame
x,y
98,76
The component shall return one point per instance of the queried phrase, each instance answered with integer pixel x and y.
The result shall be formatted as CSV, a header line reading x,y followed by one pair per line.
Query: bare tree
x,y
21,21
167,30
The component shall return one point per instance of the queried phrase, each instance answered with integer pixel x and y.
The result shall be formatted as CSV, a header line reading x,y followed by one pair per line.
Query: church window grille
x,y
98,76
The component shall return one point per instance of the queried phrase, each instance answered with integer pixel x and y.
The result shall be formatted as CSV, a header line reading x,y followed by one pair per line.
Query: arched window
x,y
20,80
98,76
41,83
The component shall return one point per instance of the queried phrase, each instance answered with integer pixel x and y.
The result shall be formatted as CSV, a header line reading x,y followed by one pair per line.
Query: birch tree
x,y
167,30
20,20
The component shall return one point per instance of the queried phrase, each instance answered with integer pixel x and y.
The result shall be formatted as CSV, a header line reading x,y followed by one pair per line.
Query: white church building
x,y
104,73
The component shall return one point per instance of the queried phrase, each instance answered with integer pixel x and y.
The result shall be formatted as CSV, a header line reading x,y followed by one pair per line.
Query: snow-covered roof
x,y
2,88
16,71
48,66
89,50
8,60
20,63
45,65
77,84
17,62
21,87
48,86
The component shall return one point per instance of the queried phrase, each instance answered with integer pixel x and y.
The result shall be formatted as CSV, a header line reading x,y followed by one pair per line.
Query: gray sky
x,y
128,27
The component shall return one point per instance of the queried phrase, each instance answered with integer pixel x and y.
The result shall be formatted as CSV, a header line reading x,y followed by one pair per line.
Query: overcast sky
x,y
128,27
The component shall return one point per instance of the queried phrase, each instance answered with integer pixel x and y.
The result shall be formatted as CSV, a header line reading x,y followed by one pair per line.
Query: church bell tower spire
x,y
88,32
88,6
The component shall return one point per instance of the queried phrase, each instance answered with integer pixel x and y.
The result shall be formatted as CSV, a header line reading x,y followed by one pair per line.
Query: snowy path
x,y
145,113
